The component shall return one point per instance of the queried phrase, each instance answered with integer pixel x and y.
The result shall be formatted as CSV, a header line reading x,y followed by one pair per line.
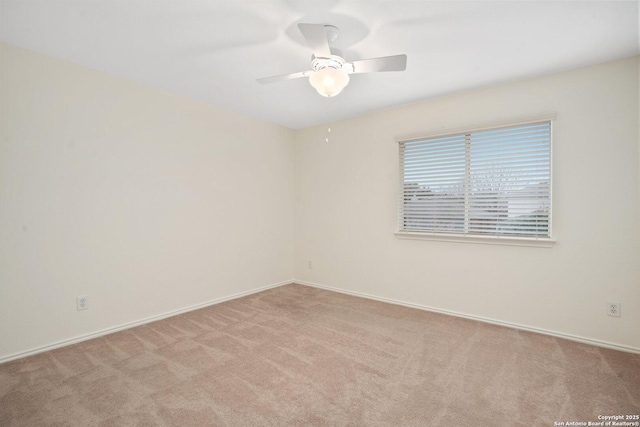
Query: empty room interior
x,y
340,213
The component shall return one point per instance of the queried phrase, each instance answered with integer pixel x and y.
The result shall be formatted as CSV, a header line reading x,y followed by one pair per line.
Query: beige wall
x,y
149,203
346,210
145,201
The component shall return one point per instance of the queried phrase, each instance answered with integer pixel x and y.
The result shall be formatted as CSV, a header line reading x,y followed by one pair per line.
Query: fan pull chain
x,y
326,119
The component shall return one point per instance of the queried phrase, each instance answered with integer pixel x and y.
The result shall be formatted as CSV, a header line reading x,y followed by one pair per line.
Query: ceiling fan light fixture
x,y
329,81
329,73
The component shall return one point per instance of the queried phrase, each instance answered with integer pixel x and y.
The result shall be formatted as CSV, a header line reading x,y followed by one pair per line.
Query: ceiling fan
x,y
329,72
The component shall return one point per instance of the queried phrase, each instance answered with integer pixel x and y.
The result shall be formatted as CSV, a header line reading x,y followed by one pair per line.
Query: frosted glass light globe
x,y
329,81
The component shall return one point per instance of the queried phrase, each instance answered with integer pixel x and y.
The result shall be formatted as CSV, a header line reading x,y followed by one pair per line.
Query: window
x,y
488,182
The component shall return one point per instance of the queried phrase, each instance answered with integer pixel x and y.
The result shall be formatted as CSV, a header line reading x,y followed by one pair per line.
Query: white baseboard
x,y
580,339
129,325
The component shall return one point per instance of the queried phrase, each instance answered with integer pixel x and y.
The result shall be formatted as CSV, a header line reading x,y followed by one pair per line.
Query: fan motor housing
x,y
336,61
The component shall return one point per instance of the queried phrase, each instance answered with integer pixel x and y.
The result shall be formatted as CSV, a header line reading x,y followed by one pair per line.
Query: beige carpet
x,y
296,355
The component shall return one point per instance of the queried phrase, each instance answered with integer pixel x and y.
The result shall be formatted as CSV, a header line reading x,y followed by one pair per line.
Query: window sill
x,y
486,240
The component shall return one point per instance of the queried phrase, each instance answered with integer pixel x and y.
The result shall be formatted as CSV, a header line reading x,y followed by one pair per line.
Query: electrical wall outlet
x,y
82,302
309,264
613,309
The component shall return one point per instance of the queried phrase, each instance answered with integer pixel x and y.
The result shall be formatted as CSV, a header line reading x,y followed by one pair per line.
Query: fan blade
x,y
386,63
317,39
284,77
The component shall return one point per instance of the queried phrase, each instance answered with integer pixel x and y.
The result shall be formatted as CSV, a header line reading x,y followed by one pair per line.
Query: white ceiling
x,y
214,50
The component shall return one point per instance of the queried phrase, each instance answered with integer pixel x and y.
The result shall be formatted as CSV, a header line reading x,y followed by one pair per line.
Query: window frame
x,y
477,238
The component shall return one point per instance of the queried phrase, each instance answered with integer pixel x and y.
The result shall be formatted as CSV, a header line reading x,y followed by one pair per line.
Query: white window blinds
x,y
485,182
